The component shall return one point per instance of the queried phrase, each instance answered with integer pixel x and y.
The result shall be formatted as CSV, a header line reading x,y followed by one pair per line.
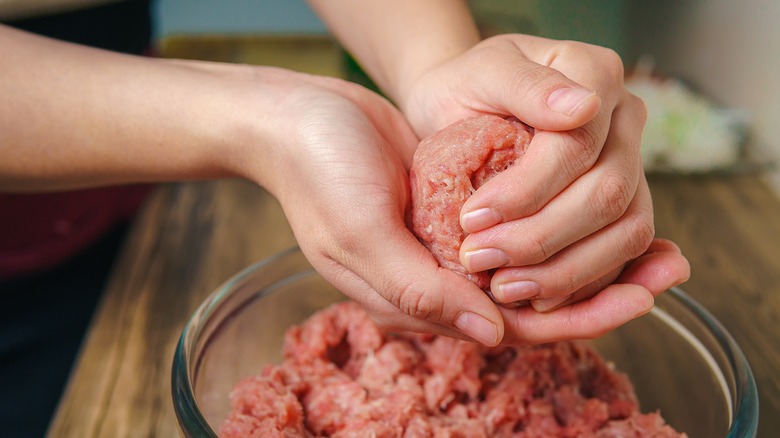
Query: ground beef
x,y
341,377
447,168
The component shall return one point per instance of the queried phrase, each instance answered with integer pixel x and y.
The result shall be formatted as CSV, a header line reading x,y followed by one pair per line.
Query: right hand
x,y
560,224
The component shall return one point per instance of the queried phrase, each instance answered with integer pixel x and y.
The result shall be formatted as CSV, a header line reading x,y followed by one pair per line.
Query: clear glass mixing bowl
x,y
679,358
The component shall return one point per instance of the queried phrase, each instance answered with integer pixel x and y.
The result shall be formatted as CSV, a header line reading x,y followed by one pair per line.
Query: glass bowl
x,y
681,361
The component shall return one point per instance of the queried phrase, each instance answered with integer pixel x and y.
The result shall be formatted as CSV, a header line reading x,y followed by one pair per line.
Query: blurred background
x,y
714,101
707,70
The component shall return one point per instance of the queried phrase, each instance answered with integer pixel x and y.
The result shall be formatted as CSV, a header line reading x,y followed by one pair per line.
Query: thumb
x,y
422,289
422,295
577,104
540,96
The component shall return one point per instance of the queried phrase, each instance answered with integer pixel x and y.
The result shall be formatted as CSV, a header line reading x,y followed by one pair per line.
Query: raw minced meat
x,y
447,168
342,377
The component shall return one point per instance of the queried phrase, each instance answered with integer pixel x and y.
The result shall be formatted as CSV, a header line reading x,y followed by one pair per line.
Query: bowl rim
x,y
744,422
182,393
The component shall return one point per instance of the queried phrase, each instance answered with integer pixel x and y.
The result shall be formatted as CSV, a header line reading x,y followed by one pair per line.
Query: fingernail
x,y
643,312
547,304
480,219
517,290
567,100
478,328
484,259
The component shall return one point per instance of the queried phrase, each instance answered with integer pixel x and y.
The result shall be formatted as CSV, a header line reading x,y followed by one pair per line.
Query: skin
x,y
336,156
562,224
332,152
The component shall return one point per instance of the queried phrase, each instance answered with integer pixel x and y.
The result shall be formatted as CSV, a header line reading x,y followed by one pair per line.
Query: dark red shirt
x,y
39,231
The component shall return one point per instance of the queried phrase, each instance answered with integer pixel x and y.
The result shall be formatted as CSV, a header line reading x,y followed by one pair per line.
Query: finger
x,y
582,263
659,268
407,276
660,244
592,202
553,161
616,305
583,293
539,95
387,316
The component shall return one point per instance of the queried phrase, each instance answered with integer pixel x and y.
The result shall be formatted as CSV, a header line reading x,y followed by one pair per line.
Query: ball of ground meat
x,y
447,168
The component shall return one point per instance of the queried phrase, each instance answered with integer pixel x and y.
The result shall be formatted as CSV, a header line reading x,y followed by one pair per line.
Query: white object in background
x,y
685,131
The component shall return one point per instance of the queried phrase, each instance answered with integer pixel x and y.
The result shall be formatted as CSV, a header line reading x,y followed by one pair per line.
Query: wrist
x,y
76,117
439,49
238,120
257,124
397,41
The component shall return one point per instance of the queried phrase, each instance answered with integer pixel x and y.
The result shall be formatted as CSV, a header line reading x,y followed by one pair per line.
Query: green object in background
x,y
600,22
354,73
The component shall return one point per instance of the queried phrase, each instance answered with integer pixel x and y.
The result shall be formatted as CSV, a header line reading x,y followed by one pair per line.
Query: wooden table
x,y
191,237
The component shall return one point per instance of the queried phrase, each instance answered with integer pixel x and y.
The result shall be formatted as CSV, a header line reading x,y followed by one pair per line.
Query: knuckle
x,y
346,240
415,302
533,249
567,282
523,202
611,63
638,106
532,81
583,147
570,48
640,231
603,59
612,198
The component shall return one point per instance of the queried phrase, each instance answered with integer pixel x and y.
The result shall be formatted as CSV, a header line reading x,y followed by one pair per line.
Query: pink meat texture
x,y
447,168
342,377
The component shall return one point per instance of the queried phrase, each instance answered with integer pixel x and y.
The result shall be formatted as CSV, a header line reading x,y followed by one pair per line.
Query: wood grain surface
x,y
191,237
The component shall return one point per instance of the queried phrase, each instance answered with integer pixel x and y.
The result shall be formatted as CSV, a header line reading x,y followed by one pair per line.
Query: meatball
x,y
447,168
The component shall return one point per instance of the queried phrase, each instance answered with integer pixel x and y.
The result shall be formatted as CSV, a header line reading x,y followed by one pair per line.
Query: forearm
x,y
73,117
397,41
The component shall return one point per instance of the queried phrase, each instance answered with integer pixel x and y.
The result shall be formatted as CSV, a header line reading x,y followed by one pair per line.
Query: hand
x,y
339,172
576,208
590,316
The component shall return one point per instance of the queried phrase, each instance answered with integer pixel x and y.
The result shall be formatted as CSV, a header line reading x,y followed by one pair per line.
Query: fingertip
x,y
644,303
479,219
464,307
512,291
587,319
684,271
644,309
479,328
660,244
548,304
657,271
578,106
